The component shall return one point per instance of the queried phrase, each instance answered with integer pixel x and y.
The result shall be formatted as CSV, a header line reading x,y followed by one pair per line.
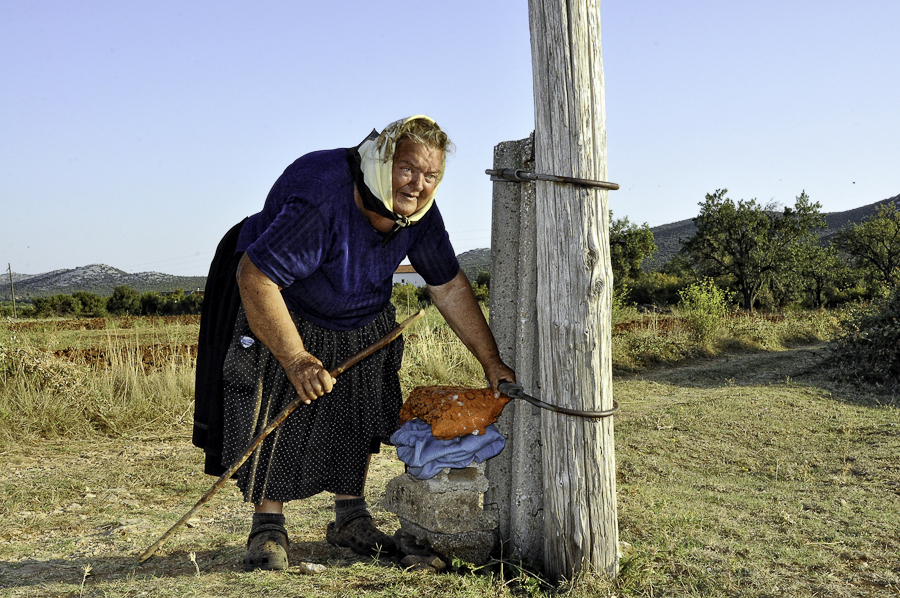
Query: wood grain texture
x,y
574,288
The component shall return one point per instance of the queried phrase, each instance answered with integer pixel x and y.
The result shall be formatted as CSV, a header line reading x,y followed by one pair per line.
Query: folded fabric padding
x,y
426,455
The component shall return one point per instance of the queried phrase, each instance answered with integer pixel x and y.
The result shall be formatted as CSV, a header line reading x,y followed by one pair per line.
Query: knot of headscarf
x,y
372,164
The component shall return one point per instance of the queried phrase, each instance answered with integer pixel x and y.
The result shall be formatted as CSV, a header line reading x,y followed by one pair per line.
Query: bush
x,y
622,309
22,310
705,306
91,304
482,294
57,305
192,304
124,301
656,288
152,304
868,350
405,298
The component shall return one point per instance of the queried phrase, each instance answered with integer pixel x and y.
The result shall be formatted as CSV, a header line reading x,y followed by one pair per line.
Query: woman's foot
x,y
267,545
358,533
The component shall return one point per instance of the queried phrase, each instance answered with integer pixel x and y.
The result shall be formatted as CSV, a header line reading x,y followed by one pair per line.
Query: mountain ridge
x,y
670,237
101,279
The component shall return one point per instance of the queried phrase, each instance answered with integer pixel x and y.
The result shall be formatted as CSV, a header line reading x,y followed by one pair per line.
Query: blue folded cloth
x,y
426,455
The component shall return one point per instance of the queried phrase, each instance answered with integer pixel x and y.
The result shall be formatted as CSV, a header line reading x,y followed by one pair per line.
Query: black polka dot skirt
x,y
323,446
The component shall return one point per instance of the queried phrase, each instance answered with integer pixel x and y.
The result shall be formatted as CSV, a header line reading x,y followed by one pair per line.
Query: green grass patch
x,y
743,470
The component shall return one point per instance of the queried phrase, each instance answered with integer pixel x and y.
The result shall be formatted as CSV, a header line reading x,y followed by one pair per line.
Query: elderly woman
x,y
313,274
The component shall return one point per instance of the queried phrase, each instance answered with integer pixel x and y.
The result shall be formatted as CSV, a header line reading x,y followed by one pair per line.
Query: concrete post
x,y
515,475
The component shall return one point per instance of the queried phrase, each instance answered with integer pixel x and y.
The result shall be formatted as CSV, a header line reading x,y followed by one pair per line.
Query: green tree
x,y
124,301
152,303
750,243
629,246
173,302
57,305
192,304
405,297
820,270
90,303
874,244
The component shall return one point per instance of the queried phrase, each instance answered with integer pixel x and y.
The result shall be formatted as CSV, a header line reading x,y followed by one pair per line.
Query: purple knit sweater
x,y
312,240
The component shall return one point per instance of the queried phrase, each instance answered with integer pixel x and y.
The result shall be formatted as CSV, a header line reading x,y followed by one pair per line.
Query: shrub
x,y
152,303
405,298
656,288
482,294
124,301
192,304
622,309
90,303
705,306
868,350
57,305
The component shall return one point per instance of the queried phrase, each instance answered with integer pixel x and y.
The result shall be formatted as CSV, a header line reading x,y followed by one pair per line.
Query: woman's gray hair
x,y
419,130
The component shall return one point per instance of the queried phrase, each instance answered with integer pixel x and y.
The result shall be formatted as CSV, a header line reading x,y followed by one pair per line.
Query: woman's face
x,y
415,173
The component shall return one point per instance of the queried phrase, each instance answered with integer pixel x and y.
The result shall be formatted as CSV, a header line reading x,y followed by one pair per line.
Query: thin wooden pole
x,y
257,440
574,297
12,291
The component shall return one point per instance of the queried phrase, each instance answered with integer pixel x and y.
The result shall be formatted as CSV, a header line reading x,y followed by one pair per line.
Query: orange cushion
x,y
453,411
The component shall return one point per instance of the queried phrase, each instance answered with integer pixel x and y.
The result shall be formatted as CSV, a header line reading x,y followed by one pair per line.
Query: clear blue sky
x,y
136,133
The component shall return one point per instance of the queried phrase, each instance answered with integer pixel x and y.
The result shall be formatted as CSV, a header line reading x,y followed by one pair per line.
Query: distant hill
x,y
474,262
670,237
96,278
102,279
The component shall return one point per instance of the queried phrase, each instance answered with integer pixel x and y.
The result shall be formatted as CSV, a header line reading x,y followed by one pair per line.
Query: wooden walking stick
x,y
255,442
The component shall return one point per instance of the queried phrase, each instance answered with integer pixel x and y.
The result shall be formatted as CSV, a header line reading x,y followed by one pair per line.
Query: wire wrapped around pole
x,y
514,175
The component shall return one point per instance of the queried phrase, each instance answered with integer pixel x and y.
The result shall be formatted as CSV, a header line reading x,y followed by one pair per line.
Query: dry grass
x,y
641,341
435,356
47,397
741,472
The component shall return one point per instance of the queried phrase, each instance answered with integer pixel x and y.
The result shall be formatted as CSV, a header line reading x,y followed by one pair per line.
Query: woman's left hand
x,y
497,372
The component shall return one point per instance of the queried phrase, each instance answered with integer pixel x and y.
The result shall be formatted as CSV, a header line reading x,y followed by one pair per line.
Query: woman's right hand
x,y
309,377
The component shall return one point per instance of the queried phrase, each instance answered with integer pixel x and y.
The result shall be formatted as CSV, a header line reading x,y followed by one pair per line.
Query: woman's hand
x,y
496,372
309,377
271,322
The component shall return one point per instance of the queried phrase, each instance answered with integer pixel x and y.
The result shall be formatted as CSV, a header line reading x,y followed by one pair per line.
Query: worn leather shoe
x,y
267,548
359,534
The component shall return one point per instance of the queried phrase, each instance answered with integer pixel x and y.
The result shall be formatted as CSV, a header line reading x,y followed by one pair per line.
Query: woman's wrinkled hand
x,y
309,377
496,372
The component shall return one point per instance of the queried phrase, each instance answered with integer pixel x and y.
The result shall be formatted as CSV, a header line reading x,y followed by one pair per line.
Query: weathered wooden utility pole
x,y
12,291
574,280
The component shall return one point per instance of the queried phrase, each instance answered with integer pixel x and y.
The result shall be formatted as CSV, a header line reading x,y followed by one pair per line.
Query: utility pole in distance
x,y
574,288
12,291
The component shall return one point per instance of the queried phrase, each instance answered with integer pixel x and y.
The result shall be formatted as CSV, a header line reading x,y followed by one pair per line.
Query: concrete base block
x,y
444,514
449,506
472,547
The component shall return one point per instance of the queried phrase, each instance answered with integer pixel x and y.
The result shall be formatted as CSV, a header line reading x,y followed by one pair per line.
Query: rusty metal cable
x,y
517,392
515,175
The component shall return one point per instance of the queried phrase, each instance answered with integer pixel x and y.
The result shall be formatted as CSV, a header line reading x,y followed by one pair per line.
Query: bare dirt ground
x,y
72,504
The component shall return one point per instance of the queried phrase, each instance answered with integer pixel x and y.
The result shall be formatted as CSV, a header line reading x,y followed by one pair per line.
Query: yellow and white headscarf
x,y
377,165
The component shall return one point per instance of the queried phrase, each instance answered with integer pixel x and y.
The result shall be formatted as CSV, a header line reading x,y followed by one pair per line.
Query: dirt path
x,y
746,369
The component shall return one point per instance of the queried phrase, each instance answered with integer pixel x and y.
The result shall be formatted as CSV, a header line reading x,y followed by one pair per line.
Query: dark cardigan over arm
x,y
221,302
